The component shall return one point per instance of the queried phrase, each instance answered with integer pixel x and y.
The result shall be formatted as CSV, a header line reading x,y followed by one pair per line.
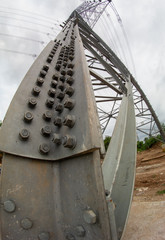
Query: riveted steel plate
x,y
56,86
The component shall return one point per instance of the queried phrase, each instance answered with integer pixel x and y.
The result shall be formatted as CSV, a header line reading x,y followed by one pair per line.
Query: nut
x,y
53,83
70,80
80,231
28,117
69,121
51,92
44,148
70,72
69,91
69,141
58,67
56,138
47,115
69,103
46,131
43,73
60,95
59,108
55,77
45,67
49,59
32,102
40,81
24,134
50,102
36,91
58,121
90,217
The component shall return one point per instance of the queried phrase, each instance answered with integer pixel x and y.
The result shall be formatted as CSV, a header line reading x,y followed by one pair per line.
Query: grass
x,y
161,192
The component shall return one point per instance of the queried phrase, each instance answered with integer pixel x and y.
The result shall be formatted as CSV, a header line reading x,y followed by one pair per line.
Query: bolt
x,y
36,91
64,64
60,95
69,103
46,131
43,73
62,78
9,206
26,223
69,91
53,51
70,65
69,121
70,80
71,57
47,115
55,77
70,72
70,237
69,141
50,102
63,72
53,83
56,138
80,231
89,217
49,59
28,117
40,81
59,62
24,134
51,55
45,67
58,121
44,236
58,67
59,108
44,148
51,92
61,86
32,102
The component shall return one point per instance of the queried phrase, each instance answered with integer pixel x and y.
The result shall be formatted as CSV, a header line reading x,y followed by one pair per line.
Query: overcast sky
x,y
143,21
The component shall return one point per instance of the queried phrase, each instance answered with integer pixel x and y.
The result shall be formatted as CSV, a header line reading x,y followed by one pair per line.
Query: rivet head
x,y
43,73
44,148
50,102
28,117
80,231
47,115
69,141
58,122
69,103
70,237
90,217
46,131
24,134
32,102
59,107
40,81
9,206
36,91
44,236
53,83
57,138
51,92
45,67
26,223
69,121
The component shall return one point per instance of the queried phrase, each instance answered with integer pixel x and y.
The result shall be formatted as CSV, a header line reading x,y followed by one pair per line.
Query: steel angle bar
x,y
119,163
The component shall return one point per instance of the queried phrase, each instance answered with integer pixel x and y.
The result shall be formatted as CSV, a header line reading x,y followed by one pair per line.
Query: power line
x,y
20,37
19,52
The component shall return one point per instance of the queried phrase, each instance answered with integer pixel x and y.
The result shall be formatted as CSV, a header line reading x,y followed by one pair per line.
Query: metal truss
x,y
109,75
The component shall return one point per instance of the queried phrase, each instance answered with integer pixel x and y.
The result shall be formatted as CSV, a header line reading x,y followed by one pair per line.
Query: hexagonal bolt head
x,y
61,86
9,206
59,108
70,72
45,68
51,55
71,57
53,83
58,66
80,231
49,59
44,236
71,65
28,117
44,148
62,78
63,72
51,92
69,103
69,91
69,121
69,141
60,95
43,73
57,138
24,134
70,80
58,122
50,102
89,217
46,131
32,102
26,223
47,116
55,77
36,91
40,81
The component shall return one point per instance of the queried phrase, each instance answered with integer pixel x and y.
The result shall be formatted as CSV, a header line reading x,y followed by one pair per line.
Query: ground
x,y
150,175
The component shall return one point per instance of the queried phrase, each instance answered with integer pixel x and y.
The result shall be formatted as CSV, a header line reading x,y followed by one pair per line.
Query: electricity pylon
x,y
53,183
